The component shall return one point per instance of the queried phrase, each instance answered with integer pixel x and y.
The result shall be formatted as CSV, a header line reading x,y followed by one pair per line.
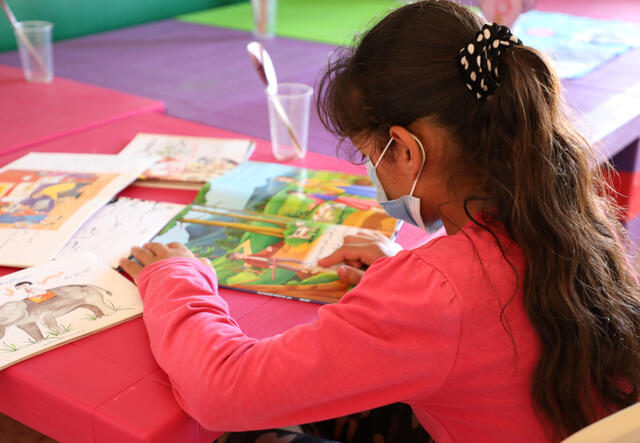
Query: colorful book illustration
x,y
187,162
264,226
45,198
577,45
46,306
306,194
125,222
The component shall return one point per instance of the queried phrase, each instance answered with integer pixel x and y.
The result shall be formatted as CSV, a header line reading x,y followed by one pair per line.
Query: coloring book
x,y
265,225
46,306
45,198
123,223
187,162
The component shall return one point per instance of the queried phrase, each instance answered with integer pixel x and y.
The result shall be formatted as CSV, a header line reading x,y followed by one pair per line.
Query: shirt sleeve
x,y
392,338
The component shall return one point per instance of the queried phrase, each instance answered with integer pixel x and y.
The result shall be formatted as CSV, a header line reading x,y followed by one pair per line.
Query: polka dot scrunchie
x,y
479,59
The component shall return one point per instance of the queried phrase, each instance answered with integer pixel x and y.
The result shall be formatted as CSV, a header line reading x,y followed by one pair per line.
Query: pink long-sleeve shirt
x,y
423,327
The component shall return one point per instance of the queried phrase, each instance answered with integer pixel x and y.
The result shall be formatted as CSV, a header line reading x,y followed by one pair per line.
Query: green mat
x,y
327,21
72,18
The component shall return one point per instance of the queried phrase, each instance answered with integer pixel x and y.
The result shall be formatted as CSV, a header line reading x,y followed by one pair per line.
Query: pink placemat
x,y
32,113
107,387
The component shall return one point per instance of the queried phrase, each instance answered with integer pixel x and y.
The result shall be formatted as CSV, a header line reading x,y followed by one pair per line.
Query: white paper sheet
x,y
113,230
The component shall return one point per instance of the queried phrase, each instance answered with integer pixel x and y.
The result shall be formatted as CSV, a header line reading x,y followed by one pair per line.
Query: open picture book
x,y
46,306
45,198
187,162
265,225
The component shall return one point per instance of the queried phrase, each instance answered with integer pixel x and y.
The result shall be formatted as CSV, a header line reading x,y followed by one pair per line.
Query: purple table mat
x,y
203,74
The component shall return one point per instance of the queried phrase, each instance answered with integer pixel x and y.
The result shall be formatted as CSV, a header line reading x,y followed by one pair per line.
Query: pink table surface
x,y
107,387
32,113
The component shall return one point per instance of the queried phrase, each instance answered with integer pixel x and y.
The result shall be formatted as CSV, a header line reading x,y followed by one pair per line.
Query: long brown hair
x,y
580,290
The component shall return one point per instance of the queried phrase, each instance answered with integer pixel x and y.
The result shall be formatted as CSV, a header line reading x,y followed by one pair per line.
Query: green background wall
x,y
72,18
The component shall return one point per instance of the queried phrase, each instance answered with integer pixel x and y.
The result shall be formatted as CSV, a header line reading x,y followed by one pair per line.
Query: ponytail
x,y
580,291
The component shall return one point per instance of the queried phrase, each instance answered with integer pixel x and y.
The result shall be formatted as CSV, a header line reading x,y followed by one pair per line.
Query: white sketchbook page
x,y
113,230
41,213
191,159
49,305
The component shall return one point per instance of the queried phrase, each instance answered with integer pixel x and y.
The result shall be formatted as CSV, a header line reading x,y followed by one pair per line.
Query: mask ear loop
x,y
383,152
424,159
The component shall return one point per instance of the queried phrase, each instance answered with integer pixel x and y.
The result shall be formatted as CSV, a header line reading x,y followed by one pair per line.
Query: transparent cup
x,y
34,46
264,18
294,100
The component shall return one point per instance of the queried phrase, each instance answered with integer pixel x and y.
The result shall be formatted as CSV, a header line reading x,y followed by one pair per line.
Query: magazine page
x,y
306,194
270,255
46,306
187,159
113,230
45,198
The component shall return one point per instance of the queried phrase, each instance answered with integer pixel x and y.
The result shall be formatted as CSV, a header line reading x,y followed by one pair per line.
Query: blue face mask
x,y
407,207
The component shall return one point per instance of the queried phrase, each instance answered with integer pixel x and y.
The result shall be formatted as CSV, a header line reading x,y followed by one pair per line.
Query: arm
x,y
373,348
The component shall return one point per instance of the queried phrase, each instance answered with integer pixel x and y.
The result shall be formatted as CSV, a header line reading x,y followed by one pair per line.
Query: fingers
x,y
206,261
340,255
351,239
152,252
177,249
365,254
350,275
130,267
354,264
143,255
158,249
335,257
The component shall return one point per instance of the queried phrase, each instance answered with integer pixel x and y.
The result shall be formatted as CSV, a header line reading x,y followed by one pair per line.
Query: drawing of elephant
x,y
33,318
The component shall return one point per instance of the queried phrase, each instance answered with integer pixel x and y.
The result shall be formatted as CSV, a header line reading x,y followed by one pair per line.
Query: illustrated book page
x,y
576,45
45,198
46,306
301,194
113,230
187,162
266,254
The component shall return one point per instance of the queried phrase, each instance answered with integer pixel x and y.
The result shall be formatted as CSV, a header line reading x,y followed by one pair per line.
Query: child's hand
x,y
152,252
358,252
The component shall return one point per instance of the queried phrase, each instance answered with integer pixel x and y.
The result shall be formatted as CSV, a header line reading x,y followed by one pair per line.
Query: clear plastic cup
x,y
35,54
264,18
295,100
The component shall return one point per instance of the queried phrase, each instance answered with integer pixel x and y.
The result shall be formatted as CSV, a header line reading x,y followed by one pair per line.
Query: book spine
x,y
271,294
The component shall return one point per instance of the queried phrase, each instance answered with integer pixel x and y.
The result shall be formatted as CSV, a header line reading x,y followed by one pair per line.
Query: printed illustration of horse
x,y
34,317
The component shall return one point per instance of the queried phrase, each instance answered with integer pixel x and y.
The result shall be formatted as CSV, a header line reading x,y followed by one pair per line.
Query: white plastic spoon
x,y
264,66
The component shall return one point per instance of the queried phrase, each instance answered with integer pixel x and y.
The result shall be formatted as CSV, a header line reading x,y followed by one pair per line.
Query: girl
x,y
522,323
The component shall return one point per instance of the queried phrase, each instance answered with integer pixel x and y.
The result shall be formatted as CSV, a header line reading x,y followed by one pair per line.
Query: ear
x,y
409,155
